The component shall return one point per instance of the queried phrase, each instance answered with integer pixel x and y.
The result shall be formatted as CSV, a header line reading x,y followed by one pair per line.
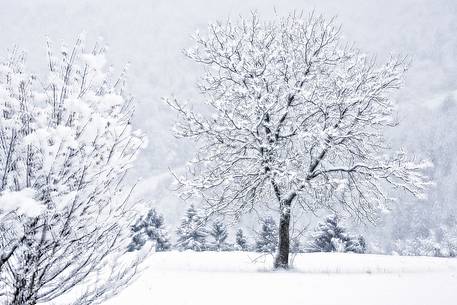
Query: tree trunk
x,y
282,257
20,294
24,285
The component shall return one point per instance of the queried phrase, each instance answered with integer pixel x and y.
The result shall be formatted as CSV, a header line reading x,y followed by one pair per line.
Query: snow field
x,y
229,278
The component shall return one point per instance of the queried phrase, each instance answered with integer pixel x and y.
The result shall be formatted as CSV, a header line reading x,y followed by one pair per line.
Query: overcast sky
x,y
150,34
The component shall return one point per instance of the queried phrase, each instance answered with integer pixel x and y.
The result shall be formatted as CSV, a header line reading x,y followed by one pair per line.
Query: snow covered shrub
x,y
437,243
150,228
330,236
417,230
241,244
267,238
218,232
66,142
417,247
192,232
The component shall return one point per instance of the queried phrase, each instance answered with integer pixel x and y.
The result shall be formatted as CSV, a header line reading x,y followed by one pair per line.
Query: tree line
x,y
195,233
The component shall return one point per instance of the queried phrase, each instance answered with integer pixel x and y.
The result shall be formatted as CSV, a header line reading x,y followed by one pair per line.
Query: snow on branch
x,y
21,202
293,113
66,144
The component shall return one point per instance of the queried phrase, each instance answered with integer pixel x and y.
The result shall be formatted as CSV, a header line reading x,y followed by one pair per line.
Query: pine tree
x,y
327,236
267,239
330,236
241,243
192,233
152,228
295,246
356,245
219,235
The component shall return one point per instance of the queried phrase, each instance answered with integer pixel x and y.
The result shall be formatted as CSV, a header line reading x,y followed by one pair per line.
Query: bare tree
x,y
293,115
66,144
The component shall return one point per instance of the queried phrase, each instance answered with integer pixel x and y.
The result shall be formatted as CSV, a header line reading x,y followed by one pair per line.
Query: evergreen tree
x,y
330,236
151,228
356,245
241,243
192,233
138,241
267,239
295,246
219,235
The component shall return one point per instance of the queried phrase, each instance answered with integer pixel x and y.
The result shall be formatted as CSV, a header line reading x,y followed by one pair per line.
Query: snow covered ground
x,y
190,278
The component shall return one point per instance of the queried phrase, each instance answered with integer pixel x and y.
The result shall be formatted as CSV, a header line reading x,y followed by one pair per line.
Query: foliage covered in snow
x,y
330,236
21,202
66,143
267,237
150,228
241,243
440,243
192,233
219,234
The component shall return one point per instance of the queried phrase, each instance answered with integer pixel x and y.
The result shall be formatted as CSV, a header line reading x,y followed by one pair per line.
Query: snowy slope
x,y
188,278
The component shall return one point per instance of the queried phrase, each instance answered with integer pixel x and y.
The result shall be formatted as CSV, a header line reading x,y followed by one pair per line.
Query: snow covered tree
x,y
330,236
66,143
192,233
296,116
295,246
267,237
219,235
356,244
241,243
150,228
440,242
